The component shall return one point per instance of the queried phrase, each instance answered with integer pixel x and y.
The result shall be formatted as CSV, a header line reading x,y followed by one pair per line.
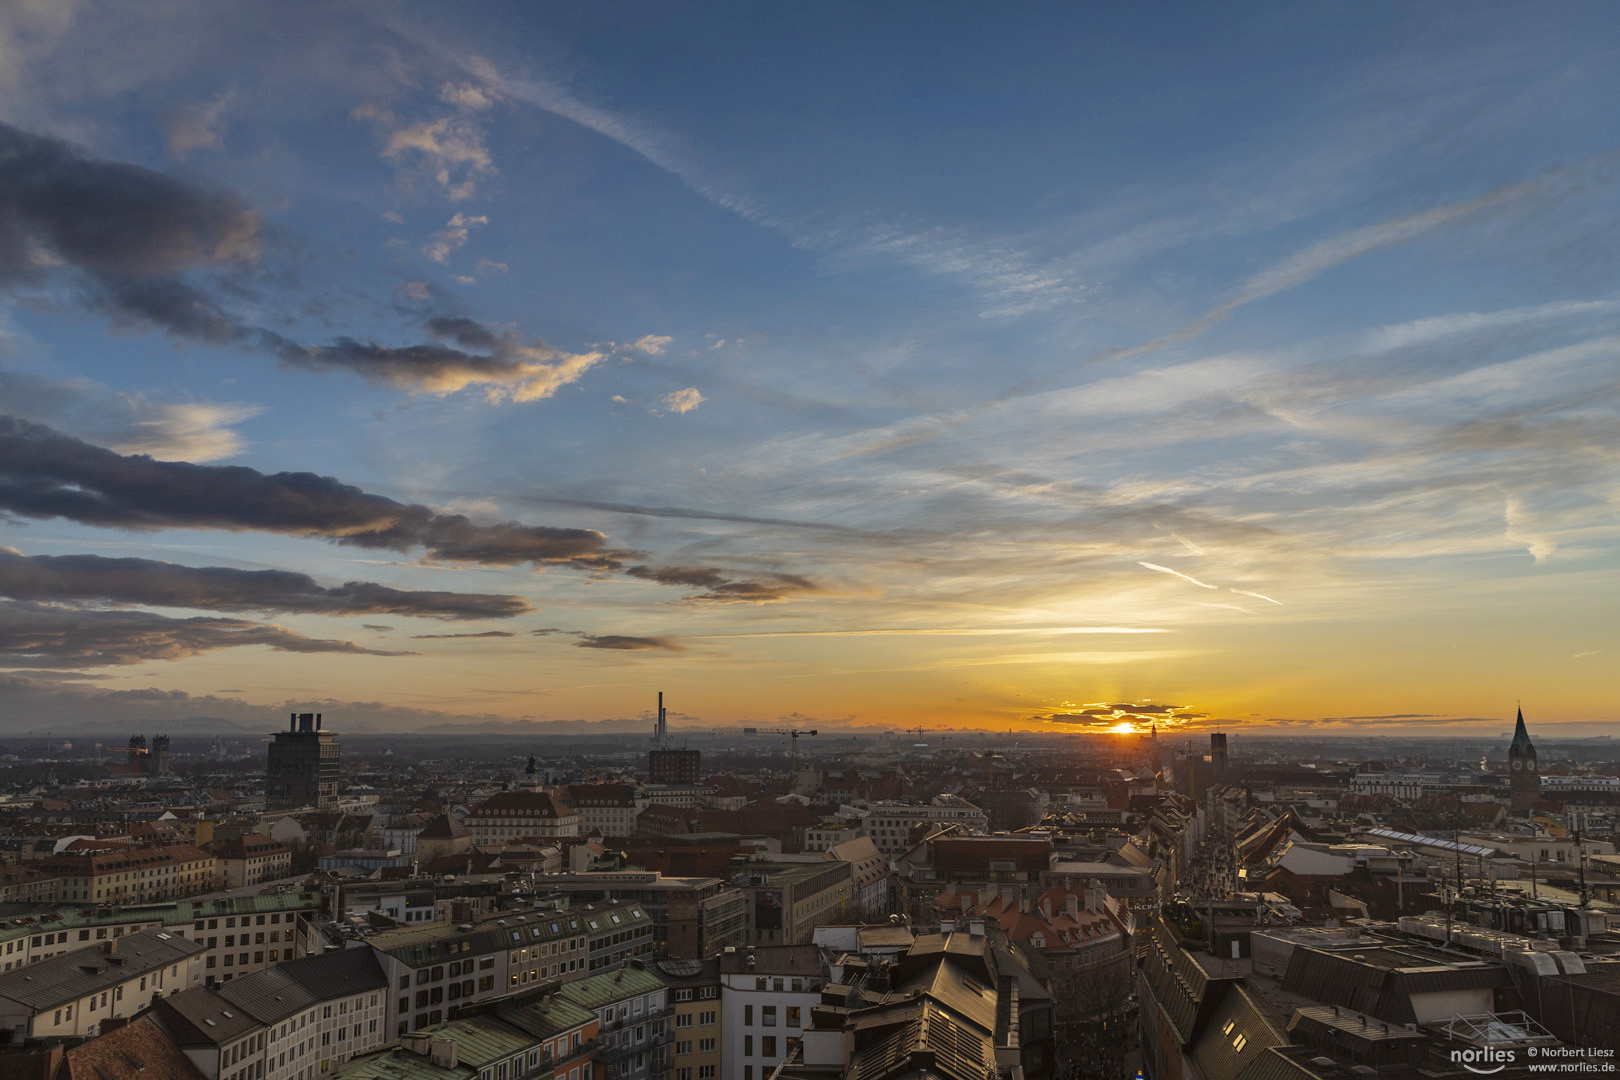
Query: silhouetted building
x,y
1217,755
674,766
303,766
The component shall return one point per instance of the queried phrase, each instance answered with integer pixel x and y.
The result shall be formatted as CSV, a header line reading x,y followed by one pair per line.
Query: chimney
x,y
1046,908
1071,904
110,947
976,928
1023,900
442,1052
292,722
967,904
317,721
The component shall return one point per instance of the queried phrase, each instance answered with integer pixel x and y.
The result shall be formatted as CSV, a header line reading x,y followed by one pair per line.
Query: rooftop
x,y
70,976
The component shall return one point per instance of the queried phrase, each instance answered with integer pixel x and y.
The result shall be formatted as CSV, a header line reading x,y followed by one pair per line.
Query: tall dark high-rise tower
x,y
1524,781
666,766
303,766
1217,756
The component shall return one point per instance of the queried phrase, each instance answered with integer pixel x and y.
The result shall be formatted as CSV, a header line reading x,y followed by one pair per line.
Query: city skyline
x,y
1070,370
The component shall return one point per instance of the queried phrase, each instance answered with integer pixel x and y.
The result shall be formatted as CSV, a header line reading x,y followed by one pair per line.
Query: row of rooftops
x,y
418,945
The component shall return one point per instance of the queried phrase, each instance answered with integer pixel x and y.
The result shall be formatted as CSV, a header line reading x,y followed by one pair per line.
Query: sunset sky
x,y
971,365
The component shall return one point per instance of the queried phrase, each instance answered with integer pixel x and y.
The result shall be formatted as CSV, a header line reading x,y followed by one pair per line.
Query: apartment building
x,y
71,994
691,916
787,900
608,809
317,1013
108,872
890,824
695,1031
515,815
28,939
433,968
251,859
767,993
616,931
632,1008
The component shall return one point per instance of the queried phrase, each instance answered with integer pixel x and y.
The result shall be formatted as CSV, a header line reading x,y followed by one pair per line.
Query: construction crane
x,y
793,755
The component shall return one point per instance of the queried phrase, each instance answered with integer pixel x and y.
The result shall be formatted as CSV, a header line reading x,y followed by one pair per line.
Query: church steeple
x,y
1523,779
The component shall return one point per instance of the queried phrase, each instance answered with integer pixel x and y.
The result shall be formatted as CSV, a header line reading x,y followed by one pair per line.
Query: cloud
x,y
379,627
449,150
683,401
618,399
95,579
651,344
196,127
44,474
124,232
453,236
720,588
445,637
127,422
129,237
47,635
509,370
622,643
489,266
466,96
47,475
1107,715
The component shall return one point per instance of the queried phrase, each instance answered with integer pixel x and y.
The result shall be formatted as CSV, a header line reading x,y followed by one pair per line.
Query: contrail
x,y
1179,574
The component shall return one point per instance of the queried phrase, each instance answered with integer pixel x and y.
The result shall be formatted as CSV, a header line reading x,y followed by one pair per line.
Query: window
x,y
683,1047
759,983
705,1046
705,1072
748,1046
684,1020
706,1018
767,1046
767,1016
748,1014
793,1016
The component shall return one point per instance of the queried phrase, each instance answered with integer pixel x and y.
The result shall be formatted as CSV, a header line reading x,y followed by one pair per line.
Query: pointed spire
x,y
1521,736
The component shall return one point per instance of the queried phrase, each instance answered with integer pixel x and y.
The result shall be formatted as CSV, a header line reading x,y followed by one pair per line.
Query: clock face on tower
x,y
1530,765
1517,764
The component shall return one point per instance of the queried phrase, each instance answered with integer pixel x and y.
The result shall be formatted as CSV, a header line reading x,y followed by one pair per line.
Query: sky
x,y
1045,366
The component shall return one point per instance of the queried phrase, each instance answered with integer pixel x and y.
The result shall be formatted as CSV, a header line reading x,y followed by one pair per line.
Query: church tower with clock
x,y
1523,779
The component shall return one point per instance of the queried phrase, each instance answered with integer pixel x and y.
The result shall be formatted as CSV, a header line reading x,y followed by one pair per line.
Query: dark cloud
x,y
149,250
36,635
443,637
511,368
621,643
464,332
375,626
92,579
547,631
128,233
44,474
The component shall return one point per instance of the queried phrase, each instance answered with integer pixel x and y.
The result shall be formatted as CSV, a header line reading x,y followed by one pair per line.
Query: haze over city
x,y
1055,368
